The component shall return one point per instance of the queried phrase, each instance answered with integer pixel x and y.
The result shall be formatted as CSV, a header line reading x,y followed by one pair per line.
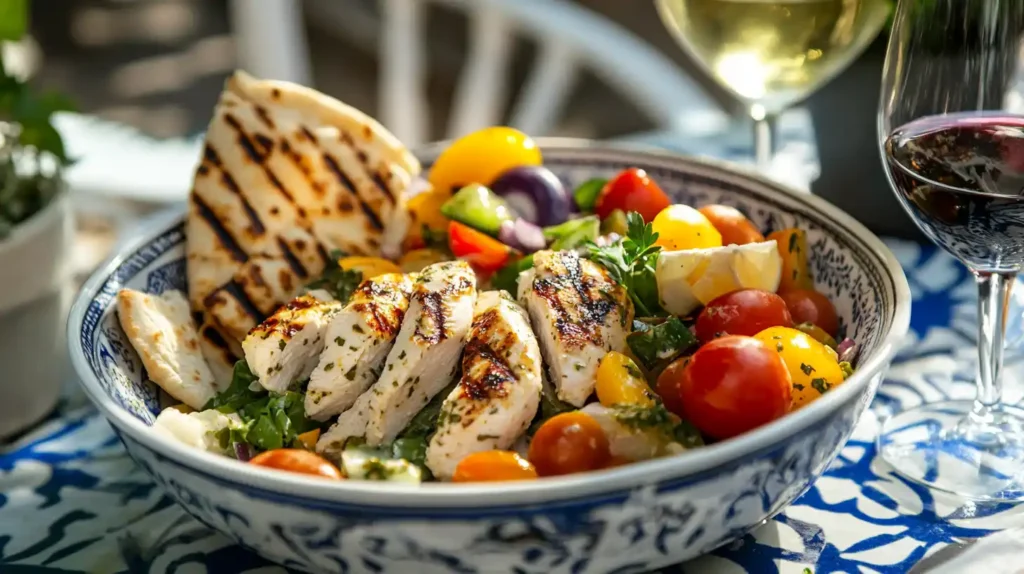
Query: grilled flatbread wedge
x,y
287,176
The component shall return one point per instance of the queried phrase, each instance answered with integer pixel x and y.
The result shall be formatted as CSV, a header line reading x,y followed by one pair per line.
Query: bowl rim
x,y
695,465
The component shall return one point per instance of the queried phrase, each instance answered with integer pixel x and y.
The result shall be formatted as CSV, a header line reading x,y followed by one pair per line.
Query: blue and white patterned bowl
x,y
630,518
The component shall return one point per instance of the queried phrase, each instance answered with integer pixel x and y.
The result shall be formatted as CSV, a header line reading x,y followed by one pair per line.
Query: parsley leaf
x,y
631,262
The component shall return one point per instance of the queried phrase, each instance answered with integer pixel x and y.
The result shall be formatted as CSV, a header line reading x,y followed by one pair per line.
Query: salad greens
x,y
507,277
631,263
340,283
412,442
550,406
573,233
269,420
661,342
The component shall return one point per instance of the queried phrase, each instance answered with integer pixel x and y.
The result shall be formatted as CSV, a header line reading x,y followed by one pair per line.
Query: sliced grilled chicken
x,y
356,344
161,330
350,424
427,349
500,388
579,314
285,348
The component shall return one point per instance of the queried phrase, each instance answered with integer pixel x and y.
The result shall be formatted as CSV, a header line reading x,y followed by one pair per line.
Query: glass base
x,y
951,447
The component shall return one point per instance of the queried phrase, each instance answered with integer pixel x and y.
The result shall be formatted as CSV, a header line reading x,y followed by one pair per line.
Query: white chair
x,y
569,37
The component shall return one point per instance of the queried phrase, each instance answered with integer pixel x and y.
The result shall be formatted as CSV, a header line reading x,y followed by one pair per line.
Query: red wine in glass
x,y
961,177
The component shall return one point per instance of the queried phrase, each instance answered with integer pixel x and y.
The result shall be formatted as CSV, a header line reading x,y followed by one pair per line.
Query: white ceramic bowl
x,y
630,518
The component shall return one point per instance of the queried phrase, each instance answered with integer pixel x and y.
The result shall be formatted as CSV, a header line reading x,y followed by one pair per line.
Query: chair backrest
x,y
569,37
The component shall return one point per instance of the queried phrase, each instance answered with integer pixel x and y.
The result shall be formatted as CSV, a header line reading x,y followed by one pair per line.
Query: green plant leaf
x,y
13,19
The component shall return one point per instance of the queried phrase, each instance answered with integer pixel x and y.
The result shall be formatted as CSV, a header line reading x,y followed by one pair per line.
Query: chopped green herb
x,y
357,329
328,367
483,437
847,369
339,341
820,385
351,373
792,243
807,369
281,344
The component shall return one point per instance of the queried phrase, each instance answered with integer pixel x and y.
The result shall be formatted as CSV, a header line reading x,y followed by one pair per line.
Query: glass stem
x,y
764,138
993,303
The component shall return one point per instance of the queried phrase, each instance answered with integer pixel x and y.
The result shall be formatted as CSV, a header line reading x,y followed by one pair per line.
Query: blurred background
x,y
158,65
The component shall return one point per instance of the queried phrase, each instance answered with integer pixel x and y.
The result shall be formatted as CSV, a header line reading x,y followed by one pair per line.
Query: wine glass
x,y
953,150
772,53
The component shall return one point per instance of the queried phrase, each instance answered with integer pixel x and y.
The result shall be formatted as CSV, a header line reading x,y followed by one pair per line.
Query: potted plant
x,y
35,239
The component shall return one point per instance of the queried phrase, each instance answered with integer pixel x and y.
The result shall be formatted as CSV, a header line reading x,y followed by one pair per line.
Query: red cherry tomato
x,y
735,228
567,443
733,385
668,385
483,252
632,190
297,460
809,306
744,312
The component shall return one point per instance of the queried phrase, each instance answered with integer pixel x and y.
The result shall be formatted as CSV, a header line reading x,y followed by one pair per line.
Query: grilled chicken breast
x,y
579,314
427,350
351,423
160,329
356,344
499,391
286,347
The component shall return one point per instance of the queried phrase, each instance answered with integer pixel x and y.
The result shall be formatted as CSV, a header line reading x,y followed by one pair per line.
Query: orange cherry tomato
x,y
668,383
735,228
631,190
567,443
810,306
297,460
493,465
733,385
483,252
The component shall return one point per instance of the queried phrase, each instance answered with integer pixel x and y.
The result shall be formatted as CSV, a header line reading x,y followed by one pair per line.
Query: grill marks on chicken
x,y
499,391
579,314
357,342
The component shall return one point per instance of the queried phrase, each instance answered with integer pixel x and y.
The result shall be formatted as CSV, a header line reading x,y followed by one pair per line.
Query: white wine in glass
x,y
773,53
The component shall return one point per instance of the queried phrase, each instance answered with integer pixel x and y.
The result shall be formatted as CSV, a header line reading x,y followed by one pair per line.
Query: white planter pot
x,y
34,295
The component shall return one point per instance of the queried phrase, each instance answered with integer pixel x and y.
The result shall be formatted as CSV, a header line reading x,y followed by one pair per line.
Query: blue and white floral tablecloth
x,y
72,500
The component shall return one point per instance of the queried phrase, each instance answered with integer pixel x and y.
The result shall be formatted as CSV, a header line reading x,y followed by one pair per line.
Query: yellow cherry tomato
x,y
370,267
620,382
683,227
813,366
414,261
425,210
481,157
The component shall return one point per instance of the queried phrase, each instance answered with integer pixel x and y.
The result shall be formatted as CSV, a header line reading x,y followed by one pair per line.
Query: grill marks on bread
x,y
287,176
